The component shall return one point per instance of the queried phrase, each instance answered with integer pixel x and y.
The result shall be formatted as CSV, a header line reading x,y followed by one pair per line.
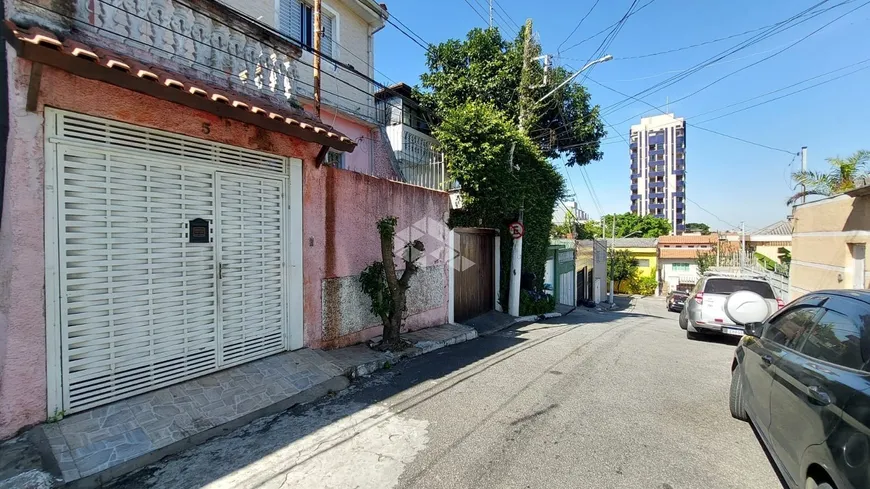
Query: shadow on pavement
x,y
225,456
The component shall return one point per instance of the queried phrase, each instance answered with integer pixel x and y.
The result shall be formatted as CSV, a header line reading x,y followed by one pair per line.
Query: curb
x,y
419,348
525,319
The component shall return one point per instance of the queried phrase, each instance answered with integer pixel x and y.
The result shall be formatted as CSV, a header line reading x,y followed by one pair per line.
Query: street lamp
x,y
612,246
581,70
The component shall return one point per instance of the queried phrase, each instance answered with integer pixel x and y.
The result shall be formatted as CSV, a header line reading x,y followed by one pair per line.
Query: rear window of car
x,y
729,286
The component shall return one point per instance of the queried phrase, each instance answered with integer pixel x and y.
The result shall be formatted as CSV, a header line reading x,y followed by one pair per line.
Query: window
x,y
335,158
643,263
835,339
786,329
680,267
729,286
296,20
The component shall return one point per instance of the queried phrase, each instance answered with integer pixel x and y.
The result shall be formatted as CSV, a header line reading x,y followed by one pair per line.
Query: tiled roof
x,y
689,239
779,228
632,242
691,253
44,47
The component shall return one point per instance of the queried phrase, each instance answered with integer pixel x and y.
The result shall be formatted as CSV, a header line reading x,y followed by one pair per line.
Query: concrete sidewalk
x,y
91,448
495,321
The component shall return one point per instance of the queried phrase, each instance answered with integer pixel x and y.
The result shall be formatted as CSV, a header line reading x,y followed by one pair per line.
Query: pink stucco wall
x,y
340,209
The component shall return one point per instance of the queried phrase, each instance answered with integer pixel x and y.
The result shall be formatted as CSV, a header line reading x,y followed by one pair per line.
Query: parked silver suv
x,y
705,313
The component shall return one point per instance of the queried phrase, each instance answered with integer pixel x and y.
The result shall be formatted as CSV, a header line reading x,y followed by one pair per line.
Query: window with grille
x,y
296,20
335,158
680,267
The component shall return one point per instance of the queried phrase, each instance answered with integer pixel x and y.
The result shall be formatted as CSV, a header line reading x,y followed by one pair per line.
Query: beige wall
x,y
821,252
771,252
352,46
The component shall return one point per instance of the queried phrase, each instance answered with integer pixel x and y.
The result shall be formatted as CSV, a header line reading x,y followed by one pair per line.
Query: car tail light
x,y
780,304
699,297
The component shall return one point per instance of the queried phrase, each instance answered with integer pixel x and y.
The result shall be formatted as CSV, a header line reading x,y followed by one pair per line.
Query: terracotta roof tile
x,y
689,253
319,132
688,239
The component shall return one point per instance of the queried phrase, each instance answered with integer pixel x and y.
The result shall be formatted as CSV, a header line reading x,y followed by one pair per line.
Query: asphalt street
x,y
610,400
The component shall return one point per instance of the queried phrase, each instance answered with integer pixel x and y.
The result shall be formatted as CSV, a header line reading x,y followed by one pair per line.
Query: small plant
x,y
56,417
535,303
643,285
385,289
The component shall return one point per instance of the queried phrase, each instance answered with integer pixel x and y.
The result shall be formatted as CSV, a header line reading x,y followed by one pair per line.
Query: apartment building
x,y
658,169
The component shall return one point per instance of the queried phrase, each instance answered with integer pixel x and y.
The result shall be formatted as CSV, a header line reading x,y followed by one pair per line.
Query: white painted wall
x,y
673,277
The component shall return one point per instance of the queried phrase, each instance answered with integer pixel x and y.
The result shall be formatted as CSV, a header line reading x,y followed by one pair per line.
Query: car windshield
x,y
729,286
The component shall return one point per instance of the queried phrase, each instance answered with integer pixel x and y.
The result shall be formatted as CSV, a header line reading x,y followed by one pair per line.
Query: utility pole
x,y
317,44
490,14
803,169
517,249
742,246
612,245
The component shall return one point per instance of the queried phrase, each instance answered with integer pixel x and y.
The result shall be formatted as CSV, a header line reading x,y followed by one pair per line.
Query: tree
x,y
385,289
698,227
487,68
499,169
705,261
621,265
784,255
840,178
632,225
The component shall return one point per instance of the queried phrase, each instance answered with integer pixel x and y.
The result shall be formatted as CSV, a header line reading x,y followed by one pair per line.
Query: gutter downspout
x,y
371,59
4,117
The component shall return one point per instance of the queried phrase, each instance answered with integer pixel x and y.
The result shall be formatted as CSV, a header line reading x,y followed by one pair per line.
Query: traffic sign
x,y
517,230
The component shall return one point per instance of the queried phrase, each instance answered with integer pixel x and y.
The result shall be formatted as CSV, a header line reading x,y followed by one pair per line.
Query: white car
x,y
705,311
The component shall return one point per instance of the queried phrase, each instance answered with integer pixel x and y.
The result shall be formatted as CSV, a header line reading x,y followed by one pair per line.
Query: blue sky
x,y
732,180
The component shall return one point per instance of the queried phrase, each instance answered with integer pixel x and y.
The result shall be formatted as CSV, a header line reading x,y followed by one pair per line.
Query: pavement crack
x,y
534,415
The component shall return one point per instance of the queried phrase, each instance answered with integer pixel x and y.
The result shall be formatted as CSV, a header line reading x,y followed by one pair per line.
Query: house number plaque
x,y
198,231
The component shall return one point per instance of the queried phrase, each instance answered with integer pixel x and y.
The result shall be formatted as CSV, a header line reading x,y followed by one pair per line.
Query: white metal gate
x,y
140,306
566,277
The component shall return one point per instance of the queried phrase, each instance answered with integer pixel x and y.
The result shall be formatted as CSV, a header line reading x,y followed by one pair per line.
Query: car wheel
x,y
812,484
735,397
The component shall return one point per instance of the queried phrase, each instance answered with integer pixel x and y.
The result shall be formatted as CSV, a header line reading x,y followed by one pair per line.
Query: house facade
x,y
829,244
590,262
641,249
407,127
170,209
678,260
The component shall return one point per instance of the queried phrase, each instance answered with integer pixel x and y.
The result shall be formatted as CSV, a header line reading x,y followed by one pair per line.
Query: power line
x,y
778,28
504,26
483,18
705,43
714,215
578,25
410,34
786,95
499,7
768,57
696,126
593,36
786,87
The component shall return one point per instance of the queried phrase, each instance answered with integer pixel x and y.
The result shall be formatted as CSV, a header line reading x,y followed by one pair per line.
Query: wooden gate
x,y
474,272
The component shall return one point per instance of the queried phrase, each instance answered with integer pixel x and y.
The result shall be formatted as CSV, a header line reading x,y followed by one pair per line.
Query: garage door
x,y
142,304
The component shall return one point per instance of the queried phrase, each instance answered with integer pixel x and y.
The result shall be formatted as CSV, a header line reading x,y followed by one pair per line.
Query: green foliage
x,y
643,284
621,265
487,68
387,227
705,260
536,304
588,230
630,225
698,227
374,284
478,143
766,261
784,255
842,176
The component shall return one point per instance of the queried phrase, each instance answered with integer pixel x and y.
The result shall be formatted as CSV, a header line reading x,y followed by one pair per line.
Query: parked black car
x,y
677,300
802,377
